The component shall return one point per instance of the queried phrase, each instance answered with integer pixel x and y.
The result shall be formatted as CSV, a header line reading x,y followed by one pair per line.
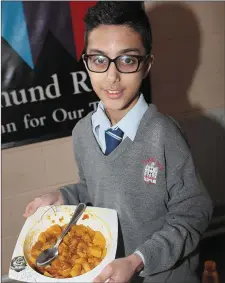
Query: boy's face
x,y
118,91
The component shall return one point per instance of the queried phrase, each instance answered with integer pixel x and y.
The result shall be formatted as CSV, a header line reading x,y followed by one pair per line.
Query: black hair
x,y
130,13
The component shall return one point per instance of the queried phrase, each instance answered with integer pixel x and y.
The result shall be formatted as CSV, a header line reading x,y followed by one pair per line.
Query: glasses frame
x,y
140,58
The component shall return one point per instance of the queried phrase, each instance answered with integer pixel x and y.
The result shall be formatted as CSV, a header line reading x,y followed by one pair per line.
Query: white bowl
x,y
99,219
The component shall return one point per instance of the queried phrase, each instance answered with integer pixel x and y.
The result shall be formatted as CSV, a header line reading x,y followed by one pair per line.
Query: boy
x,y
132,158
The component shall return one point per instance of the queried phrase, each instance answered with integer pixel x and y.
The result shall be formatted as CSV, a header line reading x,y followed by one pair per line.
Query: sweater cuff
x,y
69,195
148,259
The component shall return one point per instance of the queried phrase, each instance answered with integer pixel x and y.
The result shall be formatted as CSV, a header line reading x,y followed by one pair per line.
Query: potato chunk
x,y
80,230
56,229
104,251
42,238
80,260
82,246
86,266
76,270
95,251
86,238
47,274
35,253
99,239
37,246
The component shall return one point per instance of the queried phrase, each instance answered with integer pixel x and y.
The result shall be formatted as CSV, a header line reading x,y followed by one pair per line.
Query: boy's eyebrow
x,y
127,50
97,51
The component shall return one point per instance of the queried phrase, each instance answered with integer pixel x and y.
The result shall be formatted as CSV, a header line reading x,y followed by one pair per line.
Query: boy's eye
x,y
128,60
99,60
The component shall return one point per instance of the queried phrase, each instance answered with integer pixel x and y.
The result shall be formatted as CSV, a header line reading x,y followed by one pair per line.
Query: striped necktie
x,y
113,138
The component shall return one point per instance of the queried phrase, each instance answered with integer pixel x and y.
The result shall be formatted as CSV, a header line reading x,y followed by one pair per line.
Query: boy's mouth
x,y
114,94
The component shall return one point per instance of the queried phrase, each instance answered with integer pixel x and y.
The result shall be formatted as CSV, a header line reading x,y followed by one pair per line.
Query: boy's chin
x,y
118,105
114,106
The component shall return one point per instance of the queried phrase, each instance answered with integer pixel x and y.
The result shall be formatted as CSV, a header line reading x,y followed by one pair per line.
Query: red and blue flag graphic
x,y
25,25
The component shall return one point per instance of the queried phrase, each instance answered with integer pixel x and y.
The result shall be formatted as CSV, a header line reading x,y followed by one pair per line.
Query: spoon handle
x,y
77,213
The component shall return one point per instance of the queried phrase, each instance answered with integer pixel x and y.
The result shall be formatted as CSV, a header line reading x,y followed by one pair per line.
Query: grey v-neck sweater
x,y
162,207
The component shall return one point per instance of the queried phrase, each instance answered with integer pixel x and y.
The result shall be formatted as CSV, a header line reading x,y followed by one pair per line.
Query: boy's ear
x,y
148,66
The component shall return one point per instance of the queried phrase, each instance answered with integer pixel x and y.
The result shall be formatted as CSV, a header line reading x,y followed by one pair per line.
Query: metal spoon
x,y
48,255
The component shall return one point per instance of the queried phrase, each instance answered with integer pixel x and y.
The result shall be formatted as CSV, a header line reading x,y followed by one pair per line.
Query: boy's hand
x,y
120,270
54,198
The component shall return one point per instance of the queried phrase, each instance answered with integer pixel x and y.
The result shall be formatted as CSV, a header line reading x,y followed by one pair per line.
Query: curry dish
x,y
81,250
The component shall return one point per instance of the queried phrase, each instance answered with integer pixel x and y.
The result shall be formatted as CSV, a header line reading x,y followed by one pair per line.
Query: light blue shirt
x,y
128,124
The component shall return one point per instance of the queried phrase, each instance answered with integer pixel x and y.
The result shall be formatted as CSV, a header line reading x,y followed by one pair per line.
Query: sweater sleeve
x,y
188,215
76,193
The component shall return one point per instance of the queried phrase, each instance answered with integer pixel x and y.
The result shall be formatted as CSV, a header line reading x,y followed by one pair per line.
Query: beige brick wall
x,y
187,81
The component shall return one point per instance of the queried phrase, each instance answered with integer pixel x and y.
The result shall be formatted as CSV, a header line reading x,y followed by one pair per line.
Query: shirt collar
x,y
128,124
99,118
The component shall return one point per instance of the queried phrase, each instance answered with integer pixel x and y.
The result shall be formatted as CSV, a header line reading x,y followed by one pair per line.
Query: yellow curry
x,y
81,250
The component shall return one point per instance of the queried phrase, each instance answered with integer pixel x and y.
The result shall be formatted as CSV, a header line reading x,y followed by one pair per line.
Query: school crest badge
x,y
151,170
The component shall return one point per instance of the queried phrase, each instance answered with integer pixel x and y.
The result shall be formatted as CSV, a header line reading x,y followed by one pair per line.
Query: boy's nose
x,y
112,74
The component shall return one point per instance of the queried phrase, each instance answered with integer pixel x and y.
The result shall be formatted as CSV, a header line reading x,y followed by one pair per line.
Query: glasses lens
x,y
97,63
127,63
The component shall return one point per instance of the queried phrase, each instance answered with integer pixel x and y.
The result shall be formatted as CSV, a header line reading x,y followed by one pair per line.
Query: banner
x,y
45,87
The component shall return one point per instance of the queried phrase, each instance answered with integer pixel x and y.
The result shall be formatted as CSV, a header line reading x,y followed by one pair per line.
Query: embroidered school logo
x,y
152,167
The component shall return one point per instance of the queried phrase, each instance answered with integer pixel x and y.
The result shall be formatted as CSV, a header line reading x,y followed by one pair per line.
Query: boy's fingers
x,y
31,207
28,210
46,199
104,275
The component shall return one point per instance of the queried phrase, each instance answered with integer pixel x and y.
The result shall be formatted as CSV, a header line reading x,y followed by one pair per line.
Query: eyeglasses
x,y
99,63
